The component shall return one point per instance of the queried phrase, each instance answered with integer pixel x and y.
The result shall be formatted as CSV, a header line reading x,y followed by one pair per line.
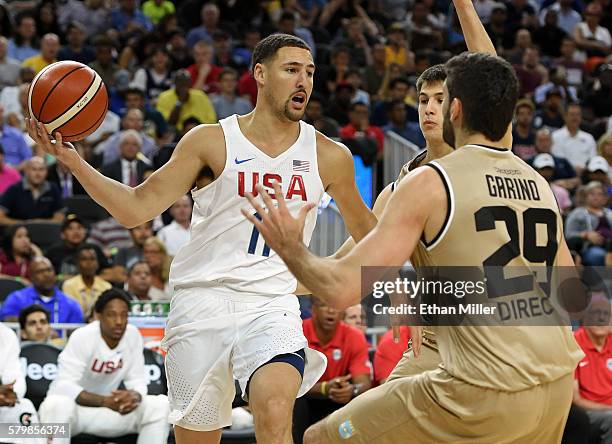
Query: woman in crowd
x,y
17,253
155,254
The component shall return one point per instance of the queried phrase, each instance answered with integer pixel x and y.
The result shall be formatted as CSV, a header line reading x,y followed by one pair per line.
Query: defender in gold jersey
x,y
495,384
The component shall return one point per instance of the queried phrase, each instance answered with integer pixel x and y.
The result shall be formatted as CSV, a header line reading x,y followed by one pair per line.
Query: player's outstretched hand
x,y
64,152
282,231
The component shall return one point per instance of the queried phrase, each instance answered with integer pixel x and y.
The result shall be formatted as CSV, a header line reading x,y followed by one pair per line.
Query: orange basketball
x,y
68,97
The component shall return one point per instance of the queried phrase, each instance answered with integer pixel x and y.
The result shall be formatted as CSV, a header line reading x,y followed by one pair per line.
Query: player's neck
x,y
262,125
479,139
112,343
322,335
436,150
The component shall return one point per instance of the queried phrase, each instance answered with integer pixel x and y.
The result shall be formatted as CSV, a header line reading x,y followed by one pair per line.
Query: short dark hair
x,y
85,247
135,264
435,73
268,47
109,295
488,89
227,71
34,308
136,91
400,79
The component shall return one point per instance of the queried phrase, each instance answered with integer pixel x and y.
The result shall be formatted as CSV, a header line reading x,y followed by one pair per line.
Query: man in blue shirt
x,y
128,18
43,292
16,149
400,126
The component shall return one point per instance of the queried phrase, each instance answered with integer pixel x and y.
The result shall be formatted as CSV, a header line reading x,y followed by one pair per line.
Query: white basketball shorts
x,y
213,337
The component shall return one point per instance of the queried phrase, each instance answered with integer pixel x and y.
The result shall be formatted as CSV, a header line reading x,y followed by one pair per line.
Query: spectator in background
x,y
129,168
226,102
76,49
389,352
523,134
180,53
425,30
597,97
155,10
558,81
155,254
597,170
593,378
61,176
341,103
498,29
95,361
353,76
287,25
63,254
571,142
591,225
359,127
133,120
110,235
182,101
222,43
127,18
314,116
204,73
14,408
46,19
544,164
569,60
522,41
43,292
209,16
139,283
49,50
104,64
604,149
154,125
9,68
551,113
564,174
87,286
355,317
356,42
567,17
24,43
374,73
592,38
32,198
35,324
8,174
550,36
126,257
332,75
17,253
154,78
348,372
16,150
92,14
176,234
400,126
397,50
531,73
398,90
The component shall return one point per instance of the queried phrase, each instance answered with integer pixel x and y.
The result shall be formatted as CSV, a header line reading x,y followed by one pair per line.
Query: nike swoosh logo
x,y
238,162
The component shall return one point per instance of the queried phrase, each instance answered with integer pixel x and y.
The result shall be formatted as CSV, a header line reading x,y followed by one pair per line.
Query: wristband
x,y
324,388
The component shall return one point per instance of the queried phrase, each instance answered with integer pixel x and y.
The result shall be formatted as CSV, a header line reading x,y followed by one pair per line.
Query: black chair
x,y
44,234
41,369
7,286
155,372
86,208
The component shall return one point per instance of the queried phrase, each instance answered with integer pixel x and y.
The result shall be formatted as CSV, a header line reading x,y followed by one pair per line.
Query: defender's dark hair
x,y
488,89
268,47
435,73
34,308
109,295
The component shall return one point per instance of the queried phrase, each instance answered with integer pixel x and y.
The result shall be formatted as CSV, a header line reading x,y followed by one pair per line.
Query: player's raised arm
x,y
134,206
476,37
390,243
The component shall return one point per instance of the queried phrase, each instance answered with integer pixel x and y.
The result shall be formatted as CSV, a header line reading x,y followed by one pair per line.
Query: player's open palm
x,y
282,231
64,152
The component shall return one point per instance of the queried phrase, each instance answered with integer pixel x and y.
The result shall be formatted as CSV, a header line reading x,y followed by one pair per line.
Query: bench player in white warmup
x,y
96,359
14,408
234,314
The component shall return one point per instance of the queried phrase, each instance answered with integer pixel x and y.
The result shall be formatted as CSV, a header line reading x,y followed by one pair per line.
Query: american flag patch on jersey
x,y
301,165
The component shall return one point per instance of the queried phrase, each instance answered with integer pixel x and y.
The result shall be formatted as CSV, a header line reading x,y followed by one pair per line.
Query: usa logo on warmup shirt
x,y
346,429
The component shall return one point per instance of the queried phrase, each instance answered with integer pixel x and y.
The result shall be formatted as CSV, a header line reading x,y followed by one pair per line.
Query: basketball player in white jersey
x,y
14,408
95,361
234,315
515,372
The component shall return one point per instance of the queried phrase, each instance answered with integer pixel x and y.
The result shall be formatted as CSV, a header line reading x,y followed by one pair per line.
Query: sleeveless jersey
x,y
225,250
498,203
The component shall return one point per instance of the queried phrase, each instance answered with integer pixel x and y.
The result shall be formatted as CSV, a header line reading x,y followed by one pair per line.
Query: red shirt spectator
x,y
359,126
8,175
346,352
389,353
247,86
594,372
210,83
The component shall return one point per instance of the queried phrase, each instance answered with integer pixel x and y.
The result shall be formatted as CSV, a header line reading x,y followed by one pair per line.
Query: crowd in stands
x,y
170,66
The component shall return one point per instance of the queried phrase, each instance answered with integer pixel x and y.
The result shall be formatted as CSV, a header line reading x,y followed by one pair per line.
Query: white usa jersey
x,y
225,249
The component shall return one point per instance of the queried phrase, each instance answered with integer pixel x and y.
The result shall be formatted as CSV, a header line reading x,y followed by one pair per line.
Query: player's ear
x,y
259,73
456,110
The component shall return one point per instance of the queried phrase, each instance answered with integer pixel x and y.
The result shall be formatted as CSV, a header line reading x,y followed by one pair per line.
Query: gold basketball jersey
x,y
500,213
